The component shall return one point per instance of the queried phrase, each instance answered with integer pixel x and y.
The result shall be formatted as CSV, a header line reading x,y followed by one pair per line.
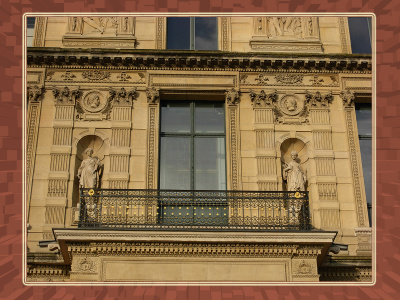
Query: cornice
x,y
194,60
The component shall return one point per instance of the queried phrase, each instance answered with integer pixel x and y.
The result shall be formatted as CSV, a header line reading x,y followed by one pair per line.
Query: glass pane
x,y
366,158
364,118
175,117
178,33
209,163
360,35
175,163
206,35
209,118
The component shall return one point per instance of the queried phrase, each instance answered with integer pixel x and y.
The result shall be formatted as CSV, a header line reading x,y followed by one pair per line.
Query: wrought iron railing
x,y
194,210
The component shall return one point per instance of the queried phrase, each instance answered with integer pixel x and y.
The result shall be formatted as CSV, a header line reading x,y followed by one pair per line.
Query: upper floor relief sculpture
x,y
293,174
284,26
89,171
100,24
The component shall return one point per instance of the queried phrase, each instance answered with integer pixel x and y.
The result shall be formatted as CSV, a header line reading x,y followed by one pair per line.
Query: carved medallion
x,y
93,102
291,105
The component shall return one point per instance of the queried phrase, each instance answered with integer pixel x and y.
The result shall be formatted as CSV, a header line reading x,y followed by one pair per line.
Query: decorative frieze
x,y
294,79
96,75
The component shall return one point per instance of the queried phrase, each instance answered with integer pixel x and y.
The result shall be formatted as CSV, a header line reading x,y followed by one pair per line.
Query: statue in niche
x,y
284,26
293,174
89,171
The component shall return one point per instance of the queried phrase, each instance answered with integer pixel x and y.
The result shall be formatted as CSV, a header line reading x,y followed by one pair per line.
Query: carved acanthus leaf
x,y
348,98
34,93
153,95
65,95
232,96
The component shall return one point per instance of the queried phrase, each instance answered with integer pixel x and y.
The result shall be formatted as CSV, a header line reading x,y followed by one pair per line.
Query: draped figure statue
x,y
294,175
88,172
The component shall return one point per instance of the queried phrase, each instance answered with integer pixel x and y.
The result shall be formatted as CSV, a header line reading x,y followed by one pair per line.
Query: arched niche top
x,y
90,139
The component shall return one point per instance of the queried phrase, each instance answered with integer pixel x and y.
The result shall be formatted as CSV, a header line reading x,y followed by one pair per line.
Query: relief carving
x,y
232,96
290,109
96,75
122,97
86,265
263,99
348,98
153,95
66,96
318,100
93,106
35,93
289,78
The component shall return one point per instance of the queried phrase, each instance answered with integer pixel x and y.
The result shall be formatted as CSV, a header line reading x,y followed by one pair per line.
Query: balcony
x,y
194,210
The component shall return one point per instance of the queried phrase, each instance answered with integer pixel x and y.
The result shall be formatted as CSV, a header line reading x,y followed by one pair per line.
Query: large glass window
x,y
30,26
364,124
194,33
192,146
360,34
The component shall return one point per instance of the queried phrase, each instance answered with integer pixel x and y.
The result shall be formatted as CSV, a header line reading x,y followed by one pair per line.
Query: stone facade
x,y
287,84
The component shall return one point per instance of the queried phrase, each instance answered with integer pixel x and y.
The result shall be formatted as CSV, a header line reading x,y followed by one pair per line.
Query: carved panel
x,y
265,139
160,40
59,162
57,188
319,116
322,140
118,184
264,116
325,166
267,186
225,33
286,28
101,31
344,35
119,163
62,136
121,113
330,218
40,31
355,165
64,113
54,215
233,123
266,165
327,191
304,267
94,105
84,265
152,142
120,137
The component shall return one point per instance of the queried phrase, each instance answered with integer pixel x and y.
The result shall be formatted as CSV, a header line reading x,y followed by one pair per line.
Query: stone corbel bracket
x,y
153,95
232,96
348,98
263,99
318,100
35,93
122,97
66,96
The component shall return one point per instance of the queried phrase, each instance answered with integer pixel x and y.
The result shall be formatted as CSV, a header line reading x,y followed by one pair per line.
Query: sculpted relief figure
x,y
100,24
294,175
284,26
88,172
